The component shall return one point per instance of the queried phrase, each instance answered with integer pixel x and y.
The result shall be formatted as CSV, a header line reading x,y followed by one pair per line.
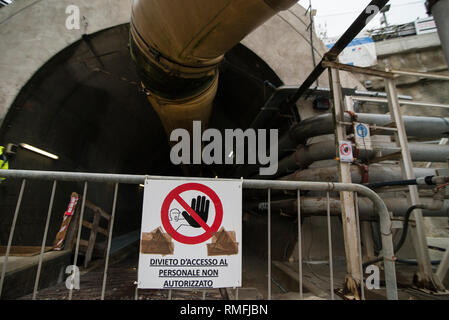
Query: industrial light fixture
x,y
39,151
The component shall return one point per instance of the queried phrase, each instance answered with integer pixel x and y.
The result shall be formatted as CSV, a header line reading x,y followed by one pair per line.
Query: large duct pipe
x,y
426,127
306,155
317,206
440,11
375,173
177,46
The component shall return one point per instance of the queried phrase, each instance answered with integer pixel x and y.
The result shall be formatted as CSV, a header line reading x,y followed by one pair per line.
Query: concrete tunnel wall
x,y
37,46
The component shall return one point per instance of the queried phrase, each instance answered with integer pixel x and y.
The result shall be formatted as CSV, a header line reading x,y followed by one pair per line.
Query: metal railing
x,y
269,185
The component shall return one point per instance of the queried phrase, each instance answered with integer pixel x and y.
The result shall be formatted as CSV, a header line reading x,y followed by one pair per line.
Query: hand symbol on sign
x,y
201,206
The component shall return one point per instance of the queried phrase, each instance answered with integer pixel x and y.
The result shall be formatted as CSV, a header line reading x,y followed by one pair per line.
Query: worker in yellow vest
x,y
3,161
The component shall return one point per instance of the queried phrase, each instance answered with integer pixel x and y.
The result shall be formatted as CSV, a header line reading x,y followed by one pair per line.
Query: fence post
x,y
269,244
11,234
108,250
83,206
329,236
301,294
44,240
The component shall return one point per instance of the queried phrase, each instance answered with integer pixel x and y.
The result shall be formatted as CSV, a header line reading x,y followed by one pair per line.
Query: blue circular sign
x,y
362,131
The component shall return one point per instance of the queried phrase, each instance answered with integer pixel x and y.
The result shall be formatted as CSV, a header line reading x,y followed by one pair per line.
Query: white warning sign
x,y
191,235
345,150
362,136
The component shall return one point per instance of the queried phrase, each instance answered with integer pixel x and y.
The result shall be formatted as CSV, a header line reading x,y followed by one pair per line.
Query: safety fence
x,y
269,185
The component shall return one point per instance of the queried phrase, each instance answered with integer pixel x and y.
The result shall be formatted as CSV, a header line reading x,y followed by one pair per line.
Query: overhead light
x,y
142,185
37,150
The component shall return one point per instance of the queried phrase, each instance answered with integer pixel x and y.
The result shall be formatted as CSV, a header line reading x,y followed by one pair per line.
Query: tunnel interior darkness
x,y
86,106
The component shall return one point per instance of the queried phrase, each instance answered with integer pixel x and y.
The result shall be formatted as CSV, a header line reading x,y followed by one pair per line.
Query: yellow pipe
x,y
178,44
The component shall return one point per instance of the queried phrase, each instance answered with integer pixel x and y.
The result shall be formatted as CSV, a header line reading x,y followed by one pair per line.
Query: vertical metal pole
x,y
44,240
418,232
329,236
204,295
269,244
301,293
11,234
362,283
108,250
136,292
444,265
80,227
170,294
311,26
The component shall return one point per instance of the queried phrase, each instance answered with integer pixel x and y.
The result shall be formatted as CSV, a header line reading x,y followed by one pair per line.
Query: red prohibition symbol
x,y
345,149
175,194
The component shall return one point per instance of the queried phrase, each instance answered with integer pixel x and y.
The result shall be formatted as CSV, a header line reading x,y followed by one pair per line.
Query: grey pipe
x,y
306,155
425,127
317,206
376,173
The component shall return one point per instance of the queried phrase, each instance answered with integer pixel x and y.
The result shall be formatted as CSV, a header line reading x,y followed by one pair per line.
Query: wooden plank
x,y
103,231
358,70
23,251
84,243
95,208
350,233
391,156
92,238
89,225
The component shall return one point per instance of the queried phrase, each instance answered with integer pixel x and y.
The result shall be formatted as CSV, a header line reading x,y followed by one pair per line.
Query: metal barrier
x,y
269,185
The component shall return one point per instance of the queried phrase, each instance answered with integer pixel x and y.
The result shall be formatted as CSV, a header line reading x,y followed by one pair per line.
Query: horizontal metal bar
x,y
360,70
389,74
401,102
139,179
380,128
351,92
420,74
373,126
344,123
